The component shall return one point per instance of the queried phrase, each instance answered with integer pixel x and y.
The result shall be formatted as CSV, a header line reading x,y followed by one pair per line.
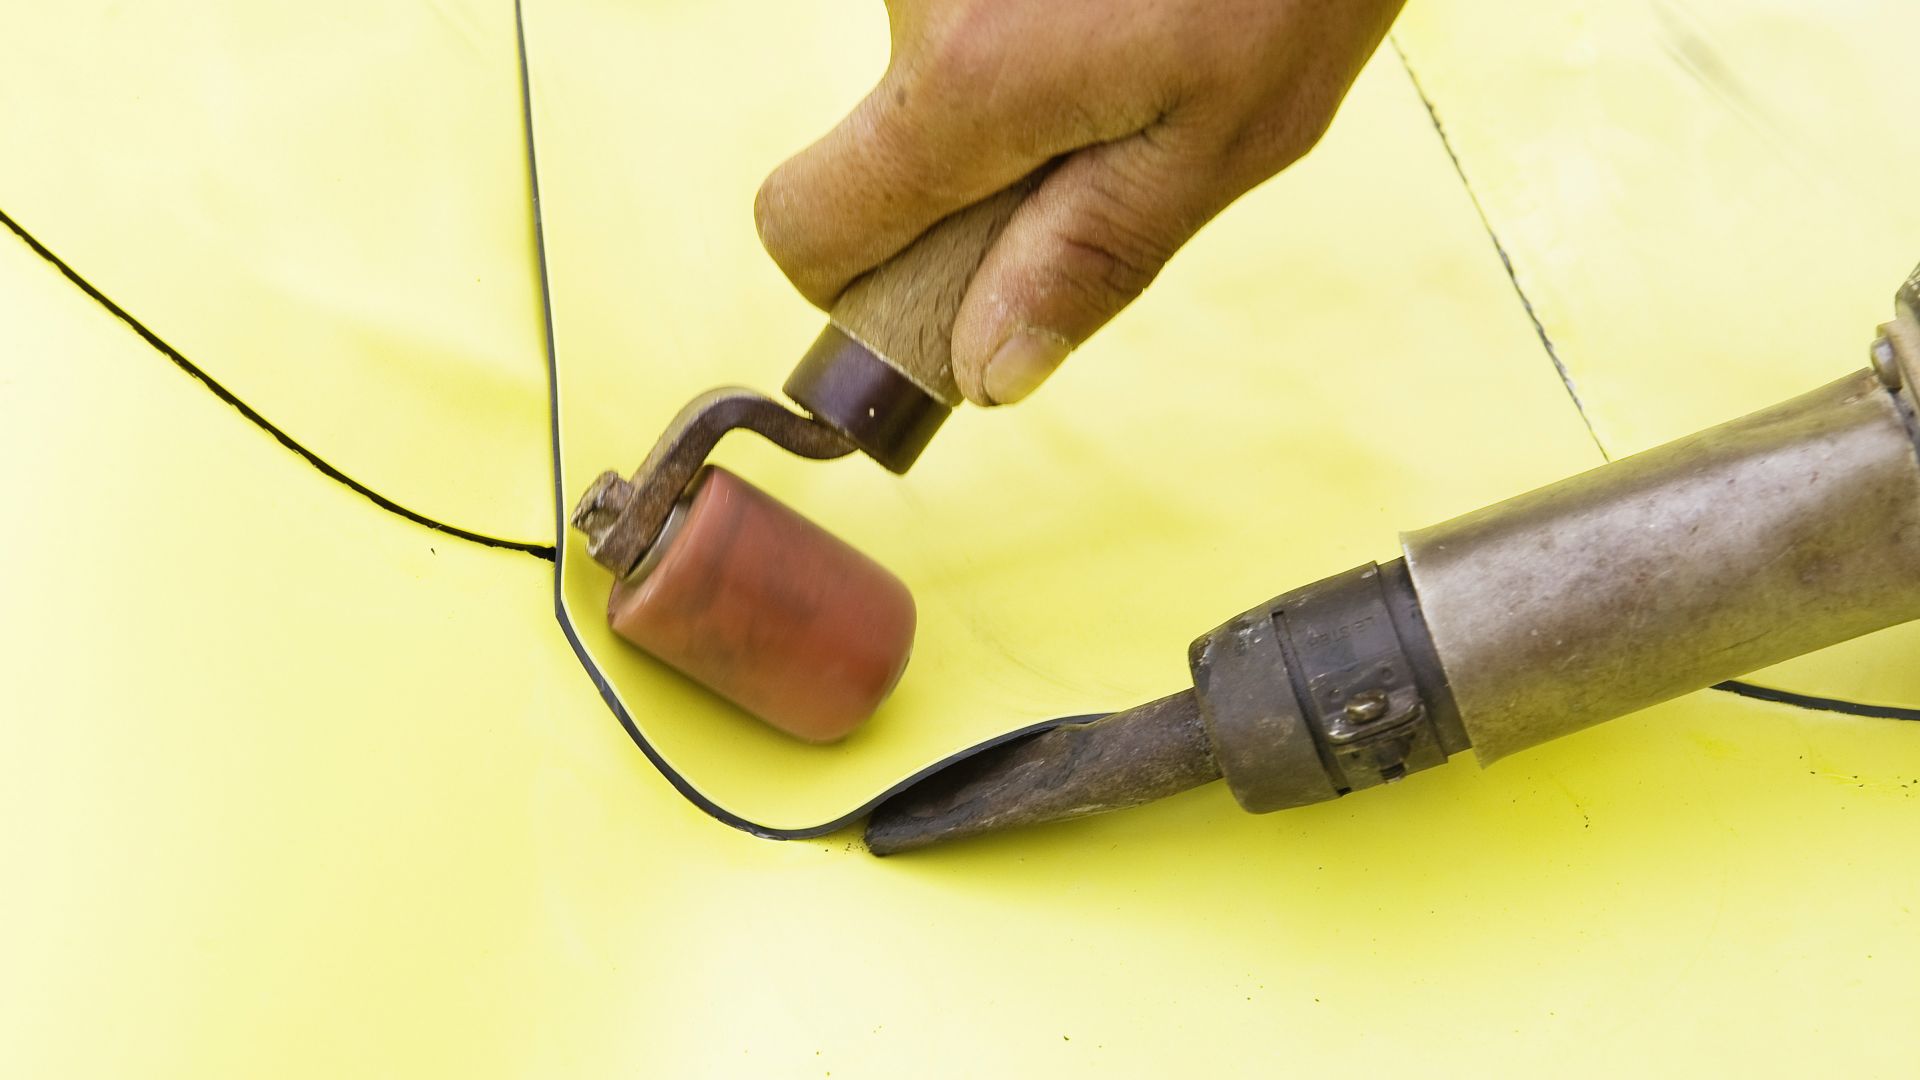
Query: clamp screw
x,y
600,508
1367,706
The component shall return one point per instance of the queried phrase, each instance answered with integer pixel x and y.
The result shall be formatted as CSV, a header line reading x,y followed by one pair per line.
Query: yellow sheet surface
x,y
293,787
296,788
1291,393
323,206
1708,205
336,801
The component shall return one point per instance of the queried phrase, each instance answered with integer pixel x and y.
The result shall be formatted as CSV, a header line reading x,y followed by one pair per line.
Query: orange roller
x,y
768,610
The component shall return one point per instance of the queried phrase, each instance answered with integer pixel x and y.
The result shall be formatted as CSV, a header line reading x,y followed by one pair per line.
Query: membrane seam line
x,y
540,551
1500,249
1816,702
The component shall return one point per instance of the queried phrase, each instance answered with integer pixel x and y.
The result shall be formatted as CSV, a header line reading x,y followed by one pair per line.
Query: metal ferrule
x,y
1325,690
858,393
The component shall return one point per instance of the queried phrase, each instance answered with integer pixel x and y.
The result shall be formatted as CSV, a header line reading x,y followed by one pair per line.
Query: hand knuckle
x,y
1284,129
1115,252
764,212
771,220
961,52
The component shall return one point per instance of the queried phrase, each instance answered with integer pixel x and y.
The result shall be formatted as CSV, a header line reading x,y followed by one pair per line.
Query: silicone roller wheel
x,y
768,610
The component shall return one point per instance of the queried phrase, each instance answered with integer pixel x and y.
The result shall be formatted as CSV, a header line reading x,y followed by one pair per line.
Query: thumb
x,y
1089,240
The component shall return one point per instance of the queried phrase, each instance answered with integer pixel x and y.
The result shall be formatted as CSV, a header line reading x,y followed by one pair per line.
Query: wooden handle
x,y
903,309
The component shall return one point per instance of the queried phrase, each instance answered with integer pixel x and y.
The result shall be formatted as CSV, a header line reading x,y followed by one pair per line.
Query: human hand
x,y
1160,113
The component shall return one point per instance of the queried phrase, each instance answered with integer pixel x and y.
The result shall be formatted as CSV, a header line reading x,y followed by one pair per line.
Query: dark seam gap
x,y
607,694
541,551
1732,686
1500,249
1814,701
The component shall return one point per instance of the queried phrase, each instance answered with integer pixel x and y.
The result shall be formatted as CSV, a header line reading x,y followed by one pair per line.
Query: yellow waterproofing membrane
x,y
295,786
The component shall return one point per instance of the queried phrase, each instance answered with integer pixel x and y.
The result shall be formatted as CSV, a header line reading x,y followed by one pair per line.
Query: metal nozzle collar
x,y
1324,690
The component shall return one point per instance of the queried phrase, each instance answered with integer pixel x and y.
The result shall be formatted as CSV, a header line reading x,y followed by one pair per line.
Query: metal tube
x,y
1741,546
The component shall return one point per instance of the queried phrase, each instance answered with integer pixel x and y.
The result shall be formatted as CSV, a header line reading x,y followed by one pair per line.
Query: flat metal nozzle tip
x,y
1074,770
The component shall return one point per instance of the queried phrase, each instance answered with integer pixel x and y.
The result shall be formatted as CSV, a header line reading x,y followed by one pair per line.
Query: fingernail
x,y
1022,363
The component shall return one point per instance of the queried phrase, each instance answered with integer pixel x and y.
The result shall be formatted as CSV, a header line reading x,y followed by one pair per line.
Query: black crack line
x,y
600,681
1814,701
541,551
1743,689
1500,249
